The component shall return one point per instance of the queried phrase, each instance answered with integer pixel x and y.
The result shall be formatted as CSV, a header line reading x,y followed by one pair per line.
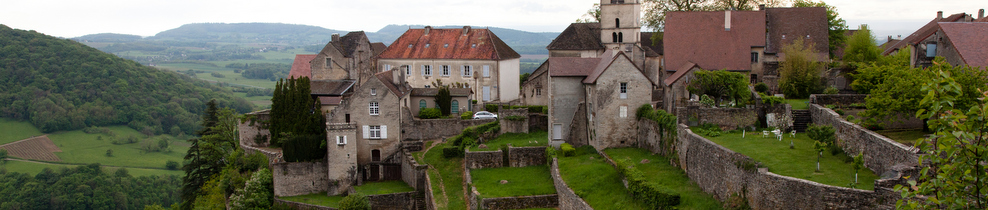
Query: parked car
x,y
484,115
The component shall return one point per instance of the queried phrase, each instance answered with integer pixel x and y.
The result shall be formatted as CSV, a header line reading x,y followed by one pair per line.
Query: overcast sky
x,y
73,18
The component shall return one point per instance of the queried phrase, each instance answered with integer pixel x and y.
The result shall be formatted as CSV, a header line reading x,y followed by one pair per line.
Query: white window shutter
x,y
366,132
463,70
624,111
423,70
344,139
384,131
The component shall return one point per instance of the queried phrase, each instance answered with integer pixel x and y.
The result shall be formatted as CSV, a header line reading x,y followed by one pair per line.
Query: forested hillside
x,y
86,187
60,84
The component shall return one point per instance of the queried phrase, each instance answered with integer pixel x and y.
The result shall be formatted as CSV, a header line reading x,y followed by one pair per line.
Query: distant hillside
x,y
58,84
249,33
522,41
108,37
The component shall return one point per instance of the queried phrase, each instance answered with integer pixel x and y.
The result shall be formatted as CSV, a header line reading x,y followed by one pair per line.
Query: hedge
x,y
648,193
430,113
468,138
568,150
452,152
304,148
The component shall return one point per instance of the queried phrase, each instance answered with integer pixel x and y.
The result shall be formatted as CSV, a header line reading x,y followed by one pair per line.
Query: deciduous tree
x,y
800,73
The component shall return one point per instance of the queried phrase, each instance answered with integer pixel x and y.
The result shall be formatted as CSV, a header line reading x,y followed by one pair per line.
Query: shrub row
x,y
568,150
648,193
468,138
304,148
531,109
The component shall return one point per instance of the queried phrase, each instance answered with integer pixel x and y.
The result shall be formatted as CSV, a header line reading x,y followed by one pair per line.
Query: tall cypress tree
x,y
200,156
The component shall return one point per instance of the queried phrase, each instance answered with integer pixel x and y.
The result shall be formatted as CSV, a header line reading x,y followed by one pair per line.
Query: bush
x,y
452,152
706,100
772,100
491,108
217,75
430,113
568,150
171,165
761,87
649,193
355,202
831,90
304,148
466,115
516,118
109,153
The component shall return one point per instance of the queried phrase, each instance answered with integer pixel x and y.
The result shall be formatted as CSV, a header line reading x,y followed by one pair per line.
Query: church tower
x,y
620,24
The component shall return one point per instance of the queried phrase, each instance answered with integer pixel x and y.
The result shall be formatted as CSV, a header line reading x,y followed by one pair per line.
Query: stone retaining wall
x,y
513,126
726,118
301,206
538,122
880,154
483,159
567,198
526,156
430,202
302,178
418,129
837,99
724,173
522,202
412,172
393,201
273,157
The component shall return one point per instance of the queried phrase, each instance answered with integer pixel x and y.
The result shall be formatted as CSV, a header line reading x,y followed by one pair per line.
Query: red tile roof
x,y
301,67
386,78
970,40
700,37
330,87
330,100
923,32
477,44
571,66
787,24
686,68
607,59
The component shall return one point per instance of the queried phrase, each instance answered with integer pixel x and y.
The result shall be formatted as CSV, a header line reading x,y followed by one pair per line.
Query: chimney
x,y
890,38
427,29
761,7
939,16
466,30
727,20
981,13
395,74
336,37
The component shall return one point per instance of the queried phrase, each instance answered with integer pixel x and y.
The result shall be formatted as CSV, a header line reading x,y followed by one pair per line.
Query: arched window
x,y
614,37
620,37
455,108
617,22
422,104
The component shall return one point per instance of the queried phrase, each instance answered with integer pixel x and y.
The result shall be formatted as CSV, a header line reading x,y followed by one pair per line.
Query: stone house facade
x,y
474,57
923,40
426,98
344,58
533,90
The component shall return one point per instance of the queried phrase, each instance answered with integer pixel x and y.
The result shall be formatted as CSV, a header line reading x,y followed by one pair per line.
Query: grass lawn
x,y
317,199
799,162
12,130
539,138
596,181
228,75
522,181
36,167
386,187
798,103
670,177
80,147
446,175
421,154
260,101
907,137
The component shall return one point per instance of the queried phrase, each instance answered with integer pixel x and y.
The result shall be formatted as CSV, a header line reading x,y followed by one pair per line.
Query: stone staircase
x,y
801,120
420,201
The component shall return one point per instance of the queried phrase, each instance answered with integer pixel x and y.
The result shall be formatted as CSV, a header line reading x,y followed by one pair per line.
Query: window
x,y
754,78
386,67
614,37
624,90
375,155
487,71
445,70
375,109
329,62
557,131
422,104
427,45
410,45
617,1
623,111
426,70
931,50
373,91
754,57
340,140
538,91
375,131
408,70
473,46
445,45
620,37
455,108
617,22
467,71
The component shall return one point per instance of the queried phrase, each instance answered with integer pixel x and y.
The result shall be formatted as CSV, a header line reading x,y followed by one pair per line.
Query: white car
x,y
484,115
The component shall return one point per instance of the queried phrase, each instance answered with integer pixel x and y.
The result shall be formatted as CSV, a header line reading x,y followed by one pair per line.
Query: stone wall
x,y
436,128
649,138
430,202
301,206
837,99
272,156
394,201
567,198
249,130
723,173
880,154
483,159
726,118
538,122
302,178
412,172
526,156
521,202
513,126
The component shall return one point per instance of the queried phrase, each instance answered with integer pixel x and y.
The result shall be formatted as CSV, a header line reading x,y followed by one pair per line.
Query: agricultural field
x,y
13,130
73,148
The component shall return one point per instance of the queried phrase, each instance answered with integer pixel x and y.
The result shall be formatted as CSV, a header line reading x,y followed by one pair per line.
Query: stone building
x,y
959,38
421,98
474,57
344,58
533,90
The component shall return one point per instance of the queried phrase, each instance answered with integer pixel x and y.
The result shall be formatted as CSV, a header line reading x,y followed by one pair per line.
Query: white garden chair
x,y
778,134
764,134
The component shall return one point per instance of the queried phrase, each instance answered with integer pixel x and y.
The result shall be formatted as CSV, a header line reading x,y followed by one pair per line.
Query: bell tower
x,y
620,23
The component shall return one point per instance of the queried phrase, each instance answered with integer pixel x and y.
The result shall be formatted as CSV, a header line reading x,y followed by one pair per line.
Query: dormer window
x,y
426,45
373,91
445,45
410,45
473,46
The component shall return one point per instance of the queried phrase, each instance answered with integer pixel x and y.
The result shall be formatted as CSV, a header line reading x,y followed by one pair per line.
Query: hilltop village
x,y
710,102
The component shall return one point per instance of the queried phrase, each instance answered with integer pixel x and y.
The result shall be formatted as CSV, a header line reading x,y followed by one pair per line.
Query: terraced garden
x,y
532,139
520,181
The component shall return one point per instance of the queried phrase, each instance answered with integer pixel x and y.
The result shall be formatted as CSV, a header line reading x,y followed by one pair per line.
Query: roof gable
x,y
923,32
330,87
970,40
578,36
386,79
680,72
476,44
701,38
607,61
301,67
